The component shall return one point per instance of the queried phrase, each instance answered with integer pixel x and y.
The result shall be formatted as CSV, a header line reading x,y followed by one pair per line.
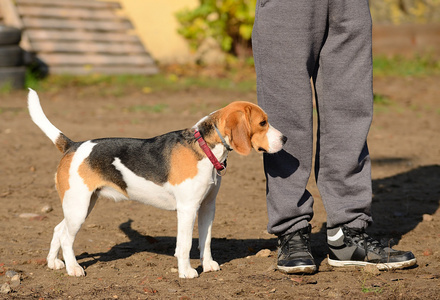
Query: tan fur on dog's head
x,y
246,126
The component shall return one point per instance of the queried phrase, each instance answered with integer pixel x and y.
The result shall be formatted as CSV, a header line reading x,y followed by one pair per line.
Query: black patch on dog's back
x,y
147,158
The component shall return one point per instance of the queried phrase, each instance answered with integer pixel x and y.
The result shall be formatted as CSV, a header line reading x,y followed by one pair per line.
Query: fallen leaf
x,y
427,252
147,90
40,261
302,280
297,280
150,290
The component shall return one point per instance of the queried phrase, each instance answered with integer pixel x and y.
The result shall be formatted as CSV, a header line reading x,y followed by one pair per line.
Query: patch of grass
x,y
370,288
116,85
181,77
381,99
381,103
32,81
374,290
399,66
157,108
6,88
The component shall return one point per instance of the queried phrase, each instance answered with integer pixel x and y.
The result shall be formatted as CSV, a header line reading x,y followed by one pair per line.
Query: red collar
x,y
217,165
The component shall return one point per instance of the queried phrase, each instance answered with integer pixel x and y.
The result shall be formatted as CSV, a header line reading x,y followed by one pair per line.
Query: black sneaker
x,y
353,247
294,254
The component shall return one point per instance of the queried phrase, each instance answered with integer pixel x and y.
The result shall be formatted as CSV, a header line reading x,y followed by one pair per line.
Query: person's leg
x,y
287,38
345,109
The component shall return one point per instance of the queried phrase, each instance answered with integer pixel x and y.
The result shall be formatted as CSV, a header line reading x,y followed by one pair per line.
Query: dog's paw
x,y
55,264
188,273
210,266
76,270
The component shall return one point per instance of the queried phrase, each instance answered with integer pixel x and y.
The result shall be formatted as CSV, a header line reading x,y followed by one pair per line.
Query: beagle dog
x,y
179,171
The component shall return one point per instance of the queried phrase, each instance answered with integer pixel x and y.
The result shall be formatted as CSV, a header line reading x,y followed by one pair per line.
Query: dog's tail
x,y
62,142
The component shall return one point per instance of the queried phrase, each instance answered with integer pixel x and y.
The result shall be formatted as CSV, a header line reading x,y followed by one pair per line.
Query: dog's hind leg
x,y
77,204
78,198
53,262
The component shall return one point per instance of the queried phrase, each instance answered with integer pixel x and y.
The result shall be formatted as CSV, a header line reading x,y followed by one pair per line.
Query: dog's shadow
x,y
224,250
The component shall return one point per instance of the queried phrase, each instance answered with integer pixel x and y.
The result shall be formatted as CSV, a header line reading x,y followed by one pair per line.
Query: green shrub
x,y
228,22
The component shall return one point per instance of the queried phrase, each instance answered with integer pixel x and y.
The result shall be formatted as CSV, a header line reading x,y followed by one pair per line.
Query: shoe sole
x,y
380,266
298,270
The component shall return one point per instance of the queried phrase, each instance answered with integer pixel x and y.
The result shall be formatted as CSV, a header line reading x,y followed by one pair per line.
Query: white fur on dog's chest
x,y
162,196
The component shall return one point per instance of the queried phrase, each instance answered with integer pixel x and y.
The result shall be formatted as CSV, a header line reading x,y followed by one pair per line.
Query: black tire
x,y
9,35
14,76
11,56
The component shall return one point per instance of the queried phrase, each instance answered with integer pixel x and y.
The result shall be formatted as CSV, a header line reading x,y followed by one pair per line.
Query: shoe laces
x,y
296,245
360,237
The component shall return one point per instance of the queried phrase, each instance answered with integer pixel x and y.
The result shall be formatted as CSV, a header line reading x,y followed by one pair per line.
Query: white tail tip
x,y
40,118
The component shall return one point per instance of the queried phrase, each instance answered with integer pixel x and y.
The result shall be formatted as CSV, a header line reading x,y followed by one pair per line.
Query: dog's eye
x,y
263,123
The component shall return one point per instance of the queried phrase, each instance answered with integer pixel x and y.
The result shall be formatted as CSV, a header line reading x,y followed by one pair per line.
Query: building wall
x,y
156,26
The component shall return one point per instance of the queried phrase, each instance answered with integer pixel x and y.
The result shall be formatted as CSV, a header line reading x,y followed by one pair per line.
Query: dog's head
x,y
246,126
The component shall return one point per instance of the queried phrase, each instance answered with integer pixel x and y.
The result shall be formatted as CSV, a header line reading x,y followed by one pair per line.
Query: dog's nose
x,y
284,139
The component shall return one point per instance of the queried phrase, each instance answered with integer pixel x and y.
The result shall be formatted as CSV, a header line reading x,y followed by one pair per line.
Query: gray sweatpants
x,y
330,42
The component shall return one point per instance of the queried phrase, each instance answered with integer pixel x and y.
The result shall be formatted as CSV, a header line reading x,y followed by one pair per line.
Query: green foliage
x,y
405,11
31,80
228,22
6,88
189,77
400,66
120,85
381,99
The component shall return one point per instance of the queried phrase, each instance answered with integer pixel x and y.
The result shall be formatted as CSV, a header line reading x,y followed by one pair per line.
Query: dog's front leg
x,y
185,224
205,219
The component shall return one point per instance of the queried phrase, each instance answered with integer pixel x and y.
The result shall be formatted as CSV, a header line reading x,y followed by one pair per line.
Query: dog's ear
x,y
238,129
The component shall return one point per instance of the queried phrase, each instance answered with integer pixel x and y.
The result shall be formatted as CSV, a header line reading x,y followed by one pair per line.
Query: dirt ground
x,y
127,248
